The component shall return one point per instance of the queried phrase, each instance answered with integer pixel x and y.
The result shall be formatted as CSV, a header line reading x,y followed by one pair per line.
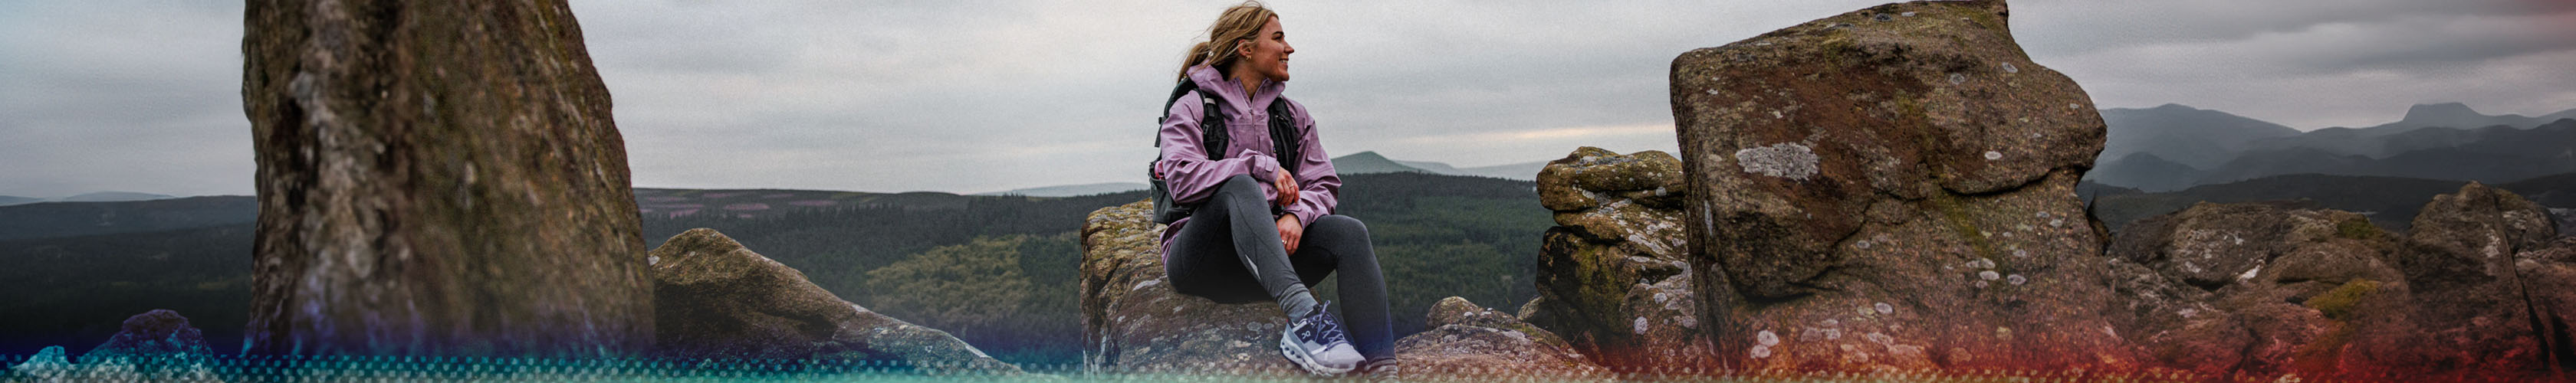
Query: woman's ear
x,y
1243,47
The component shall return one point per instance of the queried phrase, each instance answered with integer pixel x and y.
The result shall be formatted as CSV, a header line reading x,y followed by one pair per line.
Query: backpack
x,y
1213,138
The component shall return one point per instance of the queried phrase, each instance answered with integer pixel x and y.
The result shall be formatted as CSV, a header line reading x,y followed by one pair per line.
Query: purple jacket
x,y
1192,177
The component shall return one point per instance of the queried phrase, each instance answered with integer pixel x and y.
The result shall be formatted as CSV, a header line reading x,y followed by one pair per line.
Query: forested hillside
x,y
1000,272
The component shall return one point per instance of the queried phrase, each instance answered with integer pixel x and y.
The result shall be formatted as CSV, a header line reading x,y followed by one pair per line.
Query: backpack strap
x,y
1285,143
1212,137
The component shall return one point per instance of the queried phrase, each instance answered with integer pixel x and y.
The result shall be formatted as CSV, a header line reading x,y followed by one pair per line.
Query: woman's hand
x,y
1287,185
1289,232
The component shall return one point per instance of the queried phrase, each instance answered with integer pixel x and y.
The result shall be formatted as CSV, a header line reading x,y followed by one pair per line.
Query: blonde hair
x,y
1232,28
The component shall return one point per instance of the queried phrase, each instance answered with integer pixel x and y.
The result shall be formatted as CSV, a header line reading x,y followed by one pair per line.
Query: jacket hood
x,y
1230,93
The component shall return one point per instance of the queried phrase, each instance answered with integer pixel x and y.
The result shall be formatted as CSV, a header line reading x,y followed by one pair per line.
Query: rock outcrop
x,y
48,365
2477,291
1470,341
2550,275
716,299
437,178
1611,274
155,346
1892,188
1134,322
159,344
2478,310
2257,289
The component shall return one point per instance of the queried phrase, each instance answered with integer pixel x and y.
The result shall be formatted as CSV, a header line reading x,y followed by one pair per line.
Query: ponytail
x,y
1198,54
1236,25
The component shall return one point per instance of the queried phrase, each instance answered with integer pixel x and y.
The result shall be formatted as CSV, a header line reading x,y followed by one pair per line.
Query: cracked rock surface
x,y
1134,322
1611,276
1892,188
719,300
437,178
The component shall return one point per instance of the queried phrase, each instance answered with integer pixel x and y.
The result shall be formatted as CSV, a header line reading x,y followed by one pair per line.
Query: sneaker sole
x,y
1288,348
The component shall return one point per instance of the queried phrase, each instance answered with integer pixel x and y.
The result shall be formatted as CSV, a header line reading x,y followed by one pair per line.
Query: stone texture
x,y
2175,325
1611,275
155,346
159,345
2478,310
2550,277
48,365
1892,188
437,178
2476,292
716,299
1472,342
1134,322
2257,289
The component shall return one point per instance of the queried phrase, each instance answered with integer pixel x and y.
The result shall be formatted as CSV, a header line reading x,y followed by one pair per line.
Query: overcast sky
x,y
975,96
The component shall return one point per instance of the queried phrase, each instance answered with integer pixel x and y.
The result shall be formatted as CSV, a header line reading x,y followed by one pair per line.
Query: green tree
x,y
966,286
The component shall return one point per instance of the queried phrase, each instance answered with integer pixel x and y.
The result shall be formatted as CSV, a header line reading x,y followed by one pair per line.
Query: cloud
x,y
994,95
119,95
2349,73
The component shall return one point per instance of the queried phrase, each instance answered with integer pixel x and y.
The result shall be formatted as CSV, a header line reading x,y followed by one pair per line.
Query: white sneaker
x,y
1317,344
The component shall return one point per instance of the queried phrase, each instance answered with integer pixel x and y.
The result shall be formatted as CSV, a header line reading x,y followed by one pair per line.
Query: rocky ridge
x,y
447,174
1611,275
716,299
1892,188
2256,290
1134,322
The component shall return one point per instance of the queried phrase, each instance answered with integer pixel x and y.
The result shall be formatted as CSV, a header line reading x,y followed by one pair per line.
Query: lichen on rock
x,y
1786,160
1611,277
1927,155
1470,341
1133,322
437,178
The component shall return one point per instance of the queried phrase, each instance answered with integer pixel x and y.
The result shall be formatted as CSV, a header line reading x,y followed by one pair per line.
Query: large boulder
x,y
2258,289
2550,277
159,345
1134,322
1611,275
716,299
2480,289
1892,188
2479,309
49,365
155,346
437,178
1470,341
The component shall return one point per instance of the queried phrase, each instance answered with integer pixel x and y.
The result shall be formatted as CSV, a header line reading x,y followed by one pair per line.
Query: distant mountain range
x,y
105,196
2175,147
63,219
1072,190
1356,163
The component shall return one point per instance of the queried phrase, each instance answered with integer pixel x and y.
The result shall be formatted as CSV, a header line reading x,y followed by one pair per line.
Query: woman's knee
x,y
1337,225
1241,182
1236,189
1238,186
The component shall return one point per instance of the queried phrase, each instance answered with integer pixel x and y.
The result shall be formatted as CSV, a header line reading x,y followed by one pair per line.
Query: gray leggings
x,y
1233,237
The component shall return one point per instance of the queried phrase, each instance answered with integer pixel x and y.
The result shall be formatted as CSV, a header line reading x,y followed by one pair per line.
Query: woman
x,y
1233,248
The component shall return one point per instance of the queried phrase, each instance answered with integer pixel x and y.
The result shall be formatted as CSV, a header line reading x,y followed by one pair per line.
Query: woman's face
x,y
1267,53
